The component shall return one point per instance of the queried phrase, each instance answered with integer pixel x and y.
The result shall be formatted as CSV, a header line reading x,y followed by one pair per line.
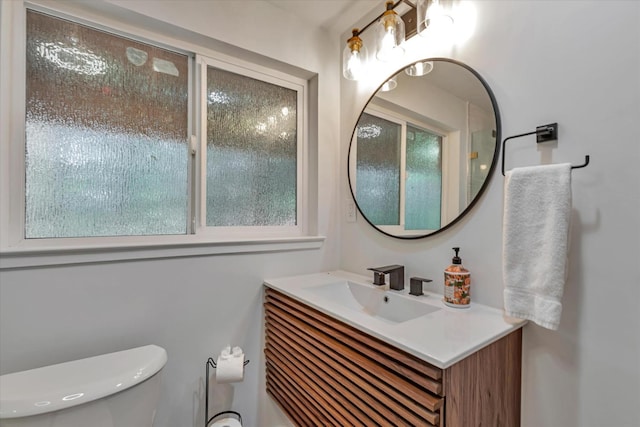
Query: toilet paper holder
x,y
225,422
212,364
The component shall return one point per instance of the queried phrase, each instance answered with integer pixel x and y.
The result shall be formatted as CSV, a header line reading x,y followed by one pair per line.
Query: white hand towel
x,y
535,242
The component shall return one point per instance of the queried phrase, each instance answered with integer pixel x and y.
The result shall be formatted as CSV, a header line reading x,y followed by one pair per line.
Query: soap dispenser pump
x,y
457,283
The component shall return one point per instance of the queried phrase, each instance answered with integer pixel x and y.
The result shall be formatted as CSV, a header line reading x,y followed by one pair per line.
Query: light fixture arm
x,y
391,36
389,7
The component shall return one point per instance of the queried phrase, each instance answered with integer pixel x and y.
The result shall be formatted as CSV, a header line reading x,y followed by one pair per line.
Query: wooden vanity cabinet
x,y
323,372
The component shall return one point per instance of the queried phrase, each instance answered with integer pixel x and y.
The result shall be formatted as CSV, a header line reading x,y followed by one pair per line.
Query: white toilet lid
x,y
55,387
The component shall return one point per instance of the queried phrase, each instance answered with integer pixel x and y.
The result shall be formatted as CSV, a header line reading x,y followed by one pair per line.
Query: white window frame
x,y
18,252
276,78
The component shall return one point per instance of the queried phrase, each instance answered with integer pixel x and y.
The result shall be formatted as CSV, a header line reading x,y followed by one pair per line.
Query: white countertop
x,y
441,338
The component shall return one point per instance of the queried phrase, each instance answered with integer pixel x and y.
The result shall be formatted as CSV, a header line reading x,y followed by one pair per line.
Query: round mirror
x,y
424,148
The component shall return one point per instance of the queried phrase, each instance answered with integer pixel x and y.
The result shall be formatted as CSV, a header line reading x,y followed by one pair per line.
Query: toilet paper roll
x,y
230,365
227,422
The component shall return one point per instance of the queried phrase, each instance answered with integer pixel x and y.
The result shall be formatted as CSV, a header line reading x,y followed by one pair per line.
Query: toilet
x,y
118,389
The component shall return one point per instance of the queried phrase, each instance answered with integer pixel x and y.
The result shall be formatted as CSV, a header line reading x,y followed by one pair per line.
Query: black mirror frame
x,y
492,168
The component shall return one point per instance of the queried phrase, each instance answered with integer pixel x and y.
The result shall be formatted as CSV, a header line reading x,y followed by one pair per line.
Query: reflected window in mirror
x,y
398,172
378,168
423,179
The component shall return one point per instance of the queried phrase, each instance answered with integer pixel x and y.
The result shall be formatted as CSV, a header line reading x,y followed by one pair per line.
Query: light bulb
x,y
354,57
354,66
419,68
390,84
390,35
436,18
386,45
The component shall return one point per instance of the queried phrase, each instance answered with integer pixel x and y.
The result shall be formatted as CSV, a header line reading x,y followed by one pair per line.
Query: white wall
x,y
576,63
192,306
585,374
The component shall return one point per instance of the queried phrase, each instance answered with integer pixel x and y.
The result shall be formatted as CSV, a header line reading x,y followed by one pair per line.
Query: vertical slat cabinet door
x,y
322,372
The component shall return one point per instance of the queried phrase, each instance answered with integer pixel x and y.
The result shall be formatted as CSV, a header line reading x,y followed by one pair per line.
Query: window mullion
x,y
192,108
302,202
202,139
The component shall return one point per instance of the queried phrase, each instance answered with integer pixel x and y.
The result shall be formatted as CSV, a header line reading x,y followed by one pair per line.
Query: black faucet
x,y
415,285
396,276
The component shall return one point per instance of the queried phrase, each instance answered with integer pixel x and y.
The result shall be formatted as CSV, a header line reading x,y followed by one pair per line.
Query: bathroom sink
x,y
376,302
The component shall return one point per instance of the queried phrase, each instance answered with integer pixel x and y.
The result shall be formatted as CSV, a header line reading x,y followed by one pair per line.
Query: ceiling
x,y
332,15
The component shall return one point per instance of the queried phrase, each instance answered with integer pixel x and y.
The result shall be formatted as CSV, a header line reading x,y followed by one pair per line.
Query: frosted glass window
x,y
424,180
378,169
251,151
106,134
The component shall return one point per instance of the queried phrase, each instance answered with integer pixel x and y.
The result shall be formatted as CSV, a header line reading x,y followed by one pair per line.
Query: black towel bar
x,y
543,134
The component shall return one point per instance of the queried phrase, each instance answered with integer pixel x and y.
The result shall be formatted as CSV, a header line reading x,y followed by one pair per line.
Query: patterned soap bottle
x,y
457,284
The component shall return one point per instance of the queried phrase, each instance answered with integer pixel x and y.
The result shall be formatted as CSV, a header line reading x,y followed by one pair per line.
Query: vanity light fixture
x,y
391,35
425,14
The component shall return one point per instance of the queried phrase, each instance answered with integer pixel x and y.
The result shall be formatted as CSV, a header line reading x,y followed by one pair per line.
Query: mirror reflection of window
x,y
423,179
398,173
378,169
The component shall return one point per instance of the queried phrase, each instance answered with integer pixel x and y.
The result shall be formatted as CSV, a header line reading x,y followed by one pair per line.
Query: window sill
x,y
39,257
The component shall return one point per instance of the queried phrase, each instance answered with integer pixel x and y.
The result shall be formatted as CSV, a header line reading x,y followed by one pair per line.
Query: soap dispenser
x,y
457,284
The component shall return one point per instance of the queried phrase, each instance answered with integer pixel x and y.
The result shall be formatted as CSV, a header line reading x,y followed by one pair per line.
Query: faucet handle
x,y
415,285
396,276
378,276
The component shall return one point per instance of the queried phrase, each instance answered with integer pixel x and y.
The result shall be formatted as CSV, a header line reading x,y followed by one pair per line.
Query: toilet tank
x,y
116,389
